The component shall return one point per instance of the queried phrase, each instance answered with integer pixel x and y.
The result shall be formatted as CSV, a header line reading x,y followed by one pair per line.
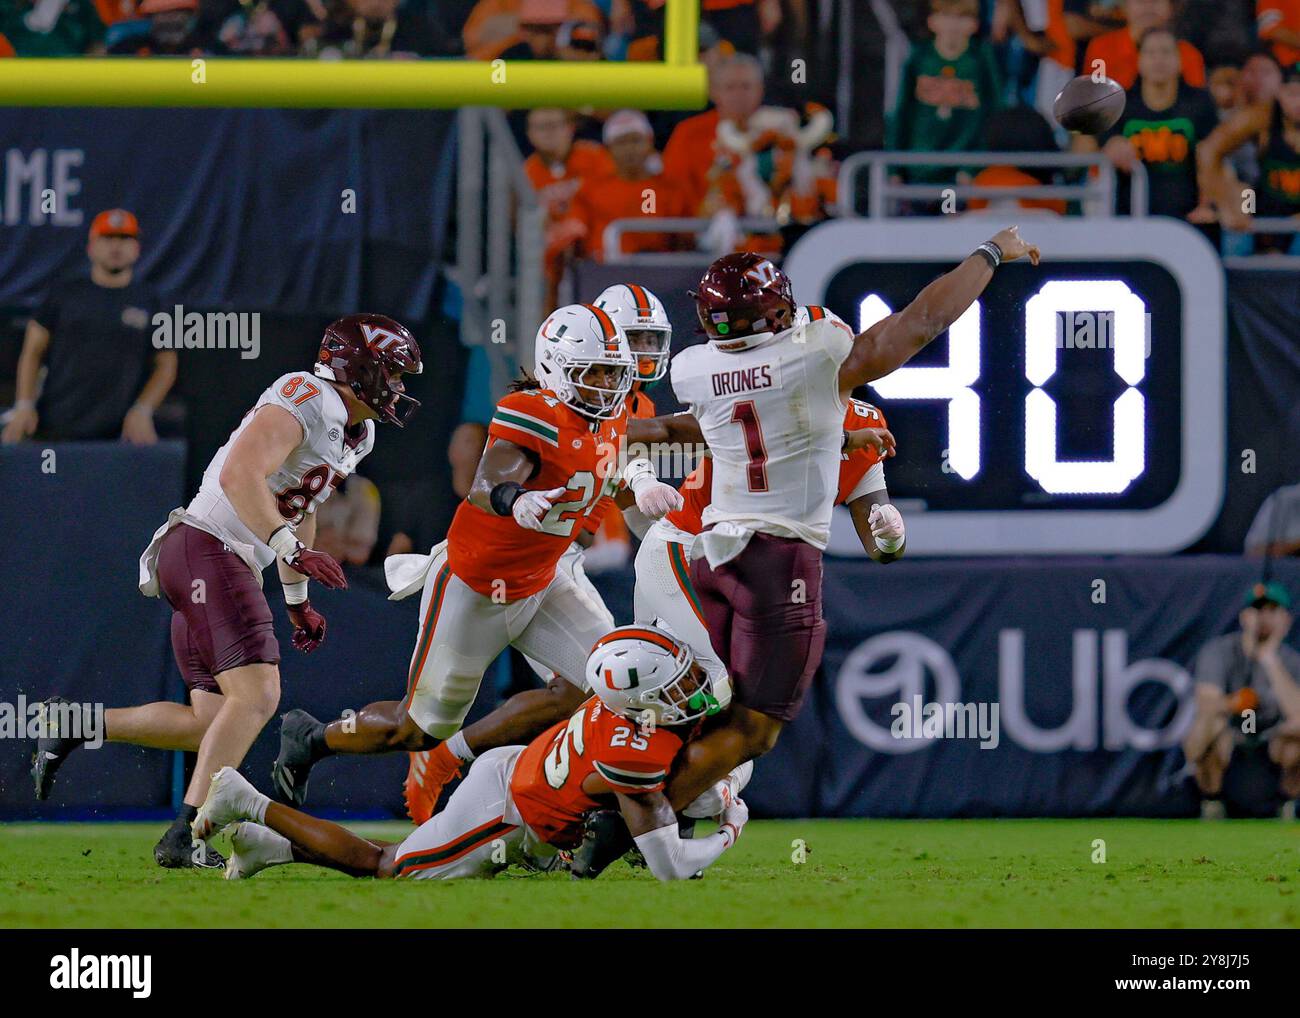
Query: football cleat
x,y
254,848
51,749
427,775
293,765
605,837
230,799
179,849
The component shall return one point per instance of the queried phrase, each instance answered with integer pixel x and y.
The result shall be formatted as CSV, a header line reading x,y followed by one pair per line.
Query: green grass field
x,y
949,873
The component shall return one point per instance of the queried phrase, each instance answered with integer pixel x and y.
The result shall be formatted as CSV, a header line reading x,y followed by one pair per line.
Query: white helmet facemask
x,y
638,310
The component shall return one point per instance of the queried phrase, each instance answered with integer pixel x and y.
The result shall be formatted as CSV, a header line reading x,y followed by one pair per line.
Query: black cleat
x,y
178,849
605,837
51,749
293,765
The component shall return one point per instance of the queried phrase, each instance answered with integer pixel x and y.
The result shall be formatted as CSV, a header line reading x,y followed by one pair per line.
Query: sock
x,y
318,747
255,807
459,748
282,852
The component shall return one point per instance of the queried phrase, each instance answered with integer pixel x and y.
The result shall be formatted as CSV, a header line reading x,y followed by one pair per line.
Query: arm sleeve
x,y
671,858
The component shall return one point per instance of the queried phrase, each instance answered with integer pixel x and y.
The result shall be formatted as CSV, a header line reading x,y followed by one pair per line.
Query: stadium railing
x,y
500,241
620,228
1096,194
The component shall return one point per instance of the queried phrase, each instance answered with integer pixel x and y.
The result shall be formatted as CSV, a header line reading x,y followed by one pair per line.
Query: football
x,y
1089,106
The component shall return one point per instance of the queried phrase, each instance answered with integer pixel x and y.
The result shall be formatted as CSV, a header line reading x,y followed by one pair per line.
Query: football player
x,y
649,336
256,505
768,397
552,454
518,802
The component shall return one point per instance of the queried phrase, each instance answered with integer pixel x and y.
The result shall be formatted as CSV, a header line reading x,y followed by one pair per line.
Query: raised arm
x,y
1212,177
893,341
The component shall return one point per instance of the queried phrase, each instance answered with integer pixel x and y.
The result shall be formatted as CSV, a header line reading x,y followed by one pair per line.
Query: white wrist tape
x,y
284,542
639,472
295,593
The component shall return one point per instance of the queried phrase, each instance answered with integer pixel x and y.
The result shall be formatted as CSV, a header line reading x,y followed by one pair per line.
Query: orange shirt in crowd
x,y
1065,52
113,11
689,155
1119,52
601,202
1010,176
6,50
1270,15
556,185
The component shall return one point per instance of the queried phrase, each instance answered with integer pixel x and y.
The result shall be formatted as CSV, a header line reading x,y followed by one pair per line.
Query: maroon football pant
x,y
220,618
764,613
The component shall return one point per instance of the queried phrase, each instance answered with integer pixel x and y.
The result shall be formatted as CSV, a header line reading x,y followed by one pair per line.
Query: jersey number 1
x,y
745,413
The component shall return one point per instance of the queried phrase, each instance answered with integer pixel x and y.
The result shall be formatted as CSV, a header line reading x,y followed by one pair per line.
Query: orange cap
x,y
115,223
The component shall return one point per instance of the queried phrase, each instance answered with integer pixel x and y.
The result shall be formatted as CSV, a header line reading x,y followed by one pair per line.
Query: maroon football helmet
x,y
369,354
742,296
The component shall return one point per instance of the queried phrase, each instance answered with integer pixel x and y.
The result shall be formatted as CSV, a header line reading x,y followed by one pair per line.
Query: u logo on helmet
x,y
633,680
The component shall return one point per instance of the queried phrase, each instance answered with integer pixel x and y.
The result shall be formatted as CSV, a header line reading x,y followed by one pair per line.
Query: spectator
x,y
949,87
1020,129
1164,120
96,331
1278,23
1087,19
1060,57
1275,128
41,29
112,11
174,29
251,29
1275,531
557,168
347,525
522,29
743,23
636,188
692,155
579,40
380,29
1225,88
1118,50
1247,722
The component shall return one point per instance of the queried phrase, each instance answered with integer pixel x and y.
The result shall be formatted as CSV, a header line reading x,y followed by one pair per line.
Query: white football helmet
x,y
573,339
805,315
635,669
640,311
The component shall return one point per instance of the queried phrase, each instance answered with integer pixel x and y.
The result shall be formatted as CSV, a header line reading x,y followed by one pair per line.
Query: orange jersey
x,y
639,407
697,489
547,783
483,548
1270,15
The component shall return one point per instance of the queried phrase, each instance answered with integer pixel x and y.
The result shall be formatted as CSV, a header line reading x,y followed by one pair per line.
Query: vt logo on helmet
x,y
582,356
649,333
743,299
369,354
635,669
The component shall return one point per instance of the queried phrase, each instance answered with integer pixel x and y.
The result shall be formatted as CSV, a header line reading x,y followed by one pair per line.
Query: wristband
x,y
295,593
24,404
639,471
284,542
990,252
503,497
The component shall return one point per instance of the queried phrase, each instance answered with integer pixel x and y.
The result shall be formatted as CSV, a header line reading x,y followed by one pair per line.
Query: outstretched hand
x,y
1014,247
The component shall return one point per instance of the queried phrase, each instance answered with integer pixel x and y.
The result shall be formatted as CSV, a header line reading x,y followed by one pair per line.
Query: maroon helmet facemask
x,y
369,354
742,297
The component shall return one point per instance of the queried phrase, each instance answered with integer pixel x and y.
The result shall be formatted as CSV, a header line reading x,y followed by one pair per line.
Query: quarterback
x,y
255,506
551,457
520,803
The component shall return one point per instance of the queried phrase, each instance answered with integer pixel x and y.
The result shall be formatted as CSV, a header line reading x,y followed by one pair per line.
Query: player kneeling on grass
x,y
650,693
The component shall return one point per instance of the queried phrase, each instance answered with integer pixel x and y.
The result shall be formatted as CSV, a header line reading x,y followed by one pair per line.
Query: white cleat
x,y
230,798
254,848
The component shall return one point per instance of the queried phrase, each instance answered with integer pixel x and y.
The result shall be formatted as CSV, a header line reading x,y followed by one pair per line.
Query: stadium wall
x,y
1085,658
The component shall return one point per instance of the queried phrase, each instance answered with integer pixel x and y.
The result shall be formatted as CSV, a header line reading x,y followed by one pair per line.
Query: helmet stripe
x,y
648,635
606,323
643,307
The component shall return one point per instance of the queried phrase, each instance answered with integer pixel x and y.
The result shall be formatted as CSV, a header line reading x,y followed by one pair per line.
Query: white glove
x,y
656,499
531,506
886,524
733,821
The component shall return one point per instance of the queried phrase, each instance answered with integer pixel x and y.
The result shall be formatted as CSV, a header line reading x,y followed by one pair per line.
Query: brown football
x,y
1089,106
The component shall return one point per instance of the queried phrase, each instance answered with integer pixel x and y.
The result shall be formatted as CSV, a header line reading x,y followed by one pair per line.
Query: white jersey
x,y
773,418
315,467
